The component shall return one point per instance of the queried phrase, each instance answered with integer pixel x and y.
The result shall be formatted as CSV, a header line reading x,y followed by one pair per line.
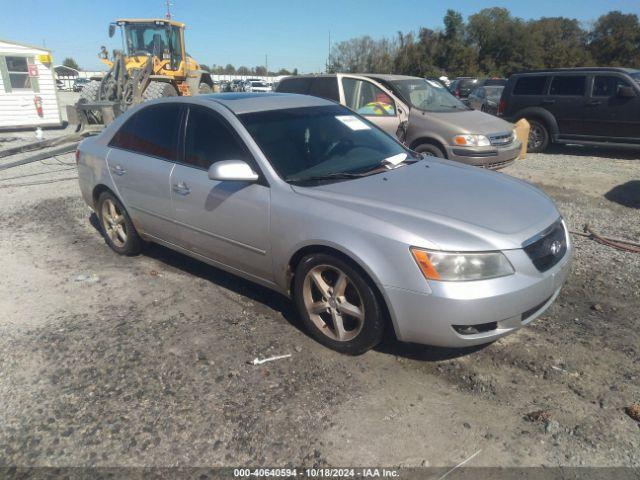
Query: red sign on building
x,y
33,70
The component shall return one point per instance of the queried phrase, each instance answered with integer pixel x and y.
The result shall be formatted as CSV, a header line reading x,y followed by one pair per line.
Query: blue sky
x,y
241,32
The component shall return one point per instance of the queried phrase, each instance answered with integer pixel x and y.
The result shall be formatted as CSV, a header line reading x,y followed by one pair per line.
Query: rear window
x,y
326,87
530,85
568,85
294,85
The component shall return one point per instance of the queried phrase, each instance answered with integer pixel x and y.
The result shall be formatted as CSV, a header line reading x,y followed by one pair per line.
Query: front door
x,y
140,162
609,115
371,101
227,222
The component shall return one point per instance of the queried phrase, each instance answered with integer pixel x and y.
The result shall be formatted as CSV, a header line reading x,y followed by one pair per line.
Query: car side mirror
x,y
626,91
112,30
232,171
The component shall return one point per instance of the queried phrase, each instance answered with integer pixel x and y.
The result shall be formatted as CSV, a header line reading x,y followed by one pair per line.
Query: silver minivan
x,y
421,113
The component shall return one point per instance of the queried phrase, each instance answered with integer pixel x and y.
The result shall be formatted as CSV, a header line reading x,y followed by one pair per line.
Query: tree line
x,y
494,43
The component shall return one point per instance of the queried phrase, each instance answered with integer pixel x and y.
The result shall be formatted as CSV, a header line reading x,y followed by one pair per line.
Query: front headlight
x,y
460,267
471,140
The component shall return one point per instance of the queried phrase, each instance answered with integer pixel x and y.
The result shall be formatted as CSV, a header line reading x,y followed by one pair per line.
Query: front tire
x,y
204,89
338,304
159,90
117,227
538,136
430,149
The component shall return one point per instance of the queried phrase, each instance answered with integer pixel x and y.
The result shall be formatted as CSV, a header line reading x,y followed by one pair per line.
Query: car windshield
x,y
258,84
635,75
428,96
308,143
494,93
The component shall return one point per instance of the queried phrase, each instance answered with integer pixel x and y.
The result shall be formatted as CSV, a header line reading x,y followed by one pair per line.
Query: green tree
x,y
284,71
71,63
260,70
561,42
455,55
243,71
229,69
615,40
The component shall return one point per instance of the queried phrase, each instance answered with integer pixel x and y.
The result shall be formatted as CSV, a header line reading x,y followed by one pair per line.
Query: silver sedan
x,y
305,197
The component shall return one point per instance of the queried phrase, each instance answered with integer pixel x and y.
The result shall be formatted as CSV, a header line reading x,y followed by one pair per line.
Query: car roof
x,y
578,69
246,102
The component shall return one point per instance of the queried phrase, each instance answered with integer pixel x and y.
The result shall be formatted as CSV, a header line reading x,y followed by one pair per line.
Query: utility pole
x,y
266,64
168,14
328,56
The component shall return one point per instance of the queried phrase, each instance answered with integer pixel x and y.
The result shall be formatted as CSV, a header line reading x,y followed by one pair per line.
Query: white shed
x,y
28,94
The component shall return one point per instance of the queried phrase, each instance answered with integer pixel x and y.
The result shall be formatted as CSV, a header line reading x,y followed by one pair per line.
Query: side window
x,y
209,139
325,87
604,86
18,70
152,131
568,85
530,85
367,99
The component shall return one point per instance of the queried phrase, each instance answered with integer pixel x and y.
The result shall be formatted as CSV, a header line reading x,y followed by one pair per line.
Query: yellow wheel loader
x,y
153,63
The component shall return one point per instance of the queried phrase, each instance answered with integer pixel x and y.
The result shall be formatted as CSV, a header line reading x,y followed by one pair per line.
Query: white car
x,y
257,86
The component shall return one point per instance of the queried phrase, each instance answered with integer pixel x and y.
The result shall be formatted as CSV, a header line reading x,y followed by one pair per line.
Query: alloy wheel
x,y
113,223
333,303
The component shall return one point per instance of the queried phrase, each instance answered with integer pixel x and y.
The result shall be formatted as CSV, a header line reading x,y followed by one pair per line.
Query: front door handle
x,y
118,170
181,188
593,103
548,102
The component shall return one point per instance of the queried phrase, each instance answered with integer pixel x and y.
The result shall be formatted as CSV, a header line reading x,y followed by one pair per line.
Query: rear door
x,y
608,115
140,161
566,101
371,100
227,222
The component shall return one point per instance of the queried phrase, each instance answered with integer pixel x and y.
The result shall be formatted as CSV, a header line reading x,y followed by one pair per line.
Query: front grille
x,y
501,139
548,247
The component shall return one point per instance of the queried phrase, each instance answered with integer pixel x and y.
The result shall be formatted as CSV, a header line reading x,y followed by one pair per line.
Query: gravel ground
x,y
143,361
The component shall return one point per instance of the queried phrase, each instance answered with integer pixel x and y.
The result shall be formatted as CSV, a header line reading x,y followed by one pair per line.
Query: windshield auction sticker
x,y
354,123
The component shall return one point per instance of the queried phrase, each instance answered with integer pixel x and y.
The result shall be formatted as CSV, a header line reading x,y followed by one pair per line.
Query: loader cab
x,y
162,39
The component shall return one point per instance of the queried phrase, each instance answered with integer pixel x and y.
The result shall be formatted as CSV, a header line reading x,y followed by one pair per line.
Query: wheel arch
x,y
98,190
351,259
431,141
542,115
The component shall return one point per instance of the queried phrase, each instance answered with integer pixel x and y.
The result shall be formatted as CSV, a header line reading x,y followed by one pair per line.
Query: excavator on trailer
x,y
153,63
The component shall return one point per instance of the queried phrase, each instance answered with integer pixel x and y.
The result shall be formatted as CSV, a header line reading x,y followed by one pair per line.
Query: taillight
x,y
501,107
77,157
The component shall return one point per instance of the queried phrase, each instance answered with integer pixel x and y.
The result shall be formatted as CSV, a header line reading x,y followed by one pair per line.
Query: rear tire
x,y
116,225
430,149
538,136
338,304
159,90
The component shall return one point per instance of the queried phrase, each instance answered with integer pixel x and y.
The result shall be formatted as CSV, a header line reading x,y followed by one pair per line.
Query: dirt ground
x,y
144,361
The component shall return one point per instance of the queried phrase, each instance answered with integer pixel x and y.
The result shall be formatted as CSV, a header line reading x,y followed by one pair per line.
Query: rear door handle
x,y
118,170
181,188
548,102
594,102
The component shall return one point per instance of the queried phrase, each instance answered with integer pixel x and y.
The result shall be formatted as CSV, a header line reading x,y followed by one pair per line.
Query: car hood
x,y
444,205
450,124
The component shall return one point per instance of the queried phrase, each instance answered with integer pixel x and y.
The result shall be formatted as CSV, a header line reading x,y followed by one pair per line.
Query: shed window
x,y
18,72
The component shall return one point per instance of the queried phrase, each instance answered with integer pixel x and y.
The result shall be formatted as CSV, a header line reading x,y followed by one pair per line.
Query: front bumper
x,y
486,157
497,307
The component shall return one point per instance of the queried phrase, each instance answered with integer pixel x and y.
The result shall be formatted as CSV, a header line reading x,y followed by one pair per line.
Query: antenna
x,y
168,14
